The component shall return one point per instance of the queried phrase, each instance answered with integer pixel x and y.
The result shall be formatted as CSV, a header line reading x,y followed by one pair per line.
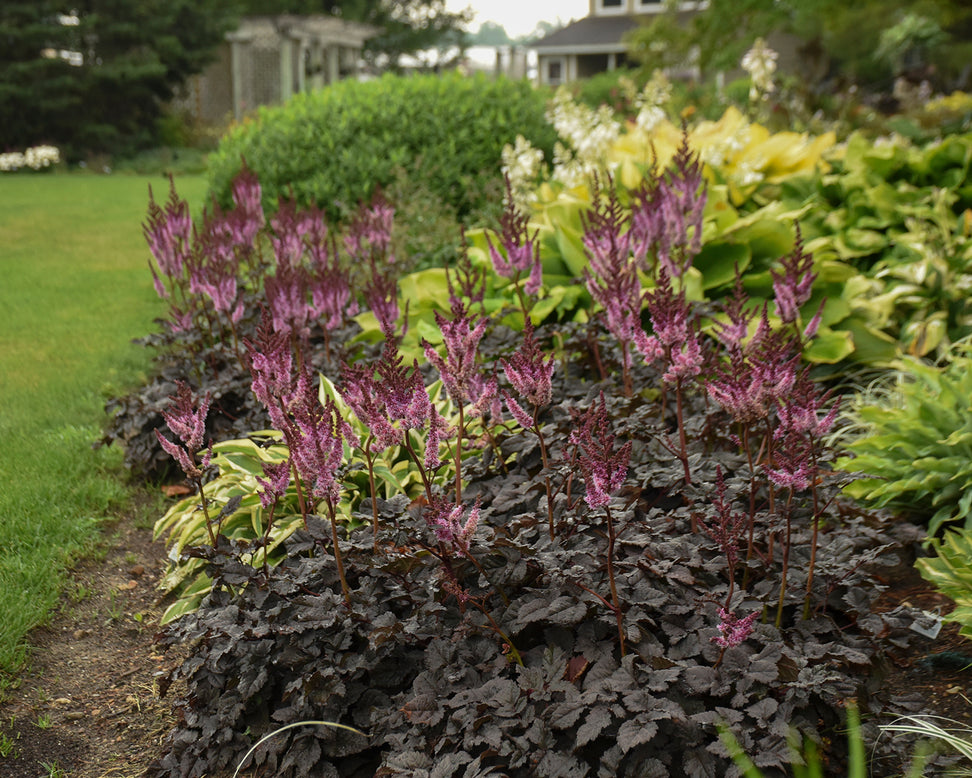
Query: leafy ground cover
x,y
73,293
651,545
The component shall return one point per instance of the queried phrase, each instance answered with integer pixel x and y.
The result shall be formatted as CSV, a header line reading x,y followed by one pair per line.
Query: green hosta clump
x,y
913,442
899,218
951,572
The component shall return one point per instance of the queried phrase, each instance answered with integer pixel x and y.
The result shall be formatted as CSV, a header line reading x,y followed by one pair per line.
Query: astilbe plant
x,y
516,254
418,645
187,421
530,374
612,275
605,471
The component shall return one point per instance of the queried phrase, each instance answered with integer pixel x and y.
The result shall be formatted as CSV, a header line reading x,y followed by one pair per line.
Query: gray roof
x,y
600,31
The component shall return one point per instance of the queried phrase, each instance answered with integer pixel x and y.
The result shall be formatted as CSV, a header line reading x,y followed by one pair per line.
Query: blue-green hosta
x,y
913,442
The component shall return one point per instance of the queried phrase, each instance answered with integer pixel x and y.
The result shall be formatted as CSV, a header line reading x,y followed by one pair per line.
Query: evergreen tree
x,y
94,75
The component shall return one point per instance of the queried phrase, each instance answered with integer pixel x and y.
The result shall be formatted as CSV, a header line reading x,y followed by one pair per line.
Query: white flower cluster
x,y
36,158
521,166
760,63
588,134
651,101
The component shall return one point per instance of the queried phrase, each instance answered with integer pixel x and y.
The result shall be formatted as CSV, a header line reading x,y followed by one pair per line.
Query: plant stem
x,y
546,471
786,559
610,568
816,530
371,484
459,435
345,589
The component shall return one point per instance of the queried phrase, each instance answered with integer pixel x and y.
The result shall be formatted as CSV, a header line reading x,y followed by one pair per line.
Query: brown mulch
x,y
88,704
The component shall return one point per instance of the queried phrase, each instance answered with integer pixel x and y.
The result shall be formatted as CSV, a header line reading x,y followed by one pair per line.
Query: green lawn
x,y
74,290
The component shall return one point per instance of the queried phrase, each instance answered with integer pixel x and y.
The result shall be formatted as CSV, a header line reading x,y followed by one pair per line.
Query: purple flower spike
x,y
604,469
612,274
733,630
248,198
168,232
528,372
381,296
271,368
286,293
674,339
446,521
188,423
667,213
518,251
461,338
276,482
792,287
317,440
289,228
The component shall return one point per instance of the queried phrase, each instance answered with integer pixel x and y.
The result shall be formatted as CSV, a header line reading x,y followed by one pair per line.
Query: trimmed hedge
x,y
334,146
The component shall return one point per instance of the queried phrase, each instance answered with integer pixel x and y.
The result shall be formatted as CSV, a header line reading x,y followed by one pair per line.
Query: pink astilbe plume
x,y
465,280
274,485
675,340
369,235
286,292
461,336
215,270
289,228
727,526
446,521
530,375
168,231
187,422
271,365
517,252
666,217
751,384
391,399
604,468
248,199
330,281
802,423
793,287
733,332
612,275
317,442
733,630
381,296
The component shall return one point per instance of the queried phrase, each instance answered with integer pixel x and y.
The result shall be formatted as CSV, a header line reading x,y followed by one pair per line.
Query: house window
x,y
555,72
612,6
650,3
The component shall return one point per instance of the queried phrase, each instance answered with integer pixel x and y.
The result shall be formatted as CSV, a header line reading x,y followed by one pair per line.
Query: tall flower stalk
x,y
604,472
530,374
187,421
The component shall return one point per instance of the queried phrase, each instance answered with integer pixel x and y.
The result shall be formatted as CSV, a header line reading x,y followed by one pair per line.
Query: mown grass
x,y
74,291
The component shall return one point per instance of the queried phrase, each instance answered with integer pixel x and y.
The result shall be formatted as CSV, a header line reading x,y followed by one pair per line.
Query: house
x,y
595,43
269,58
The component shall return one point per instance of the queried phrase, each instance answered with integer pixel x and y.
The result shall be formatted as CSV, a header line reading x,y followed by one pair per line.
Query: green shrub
x,y
334,146
614,88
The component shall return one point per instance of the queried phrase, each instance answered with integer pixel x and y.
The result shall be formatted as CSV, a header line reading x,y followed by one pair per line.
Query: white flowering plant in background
x,y
760,63
522,166
35,158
